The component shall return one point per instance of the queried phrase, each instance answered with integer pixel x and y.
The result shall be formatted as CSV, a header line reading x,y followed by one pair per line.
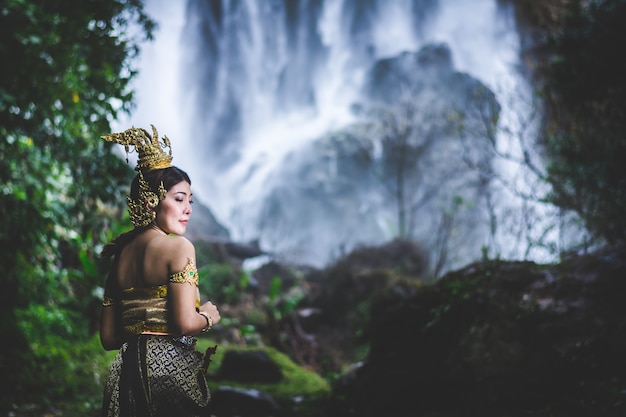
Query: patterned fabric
x,y
156,376
144,310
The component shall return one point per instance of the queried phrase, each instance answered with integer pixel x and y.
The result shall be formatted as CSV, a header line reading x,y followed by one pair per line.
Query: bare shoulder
x,y
171,244
180,244
172,247
179,251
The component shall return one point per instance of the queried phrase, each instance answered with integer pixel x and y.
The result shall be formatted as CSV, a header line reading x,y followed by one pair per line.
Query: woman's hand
x,y
211,309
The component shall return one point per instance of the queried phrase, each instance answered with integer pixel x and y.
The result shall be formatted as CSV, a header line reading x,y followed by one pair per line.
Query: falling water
x,y
262,89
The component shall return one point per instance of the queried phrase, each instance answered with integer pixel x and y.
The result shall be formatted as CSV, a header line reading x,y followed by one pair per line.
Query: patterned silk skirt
x,y
156,376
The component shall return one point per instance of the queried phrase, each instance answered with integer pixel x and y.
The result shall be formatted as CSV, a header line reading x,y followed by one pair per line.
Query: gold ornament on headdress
x,y
151,153
141,210
151,156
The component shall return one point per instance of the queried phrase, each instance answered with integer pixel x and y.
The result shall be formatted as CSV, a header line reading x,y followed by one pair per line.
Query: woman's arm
x,y
183,292
110,321
110,333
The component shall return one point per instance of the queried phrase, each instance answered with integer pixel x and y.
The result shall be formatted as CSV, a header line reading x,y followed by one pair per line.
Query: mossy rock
x,y
301,392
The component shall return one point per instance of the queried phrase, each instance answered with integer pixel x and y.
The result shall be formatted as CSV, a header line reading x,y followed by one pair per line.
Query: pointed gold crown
x,y
151,156
151,152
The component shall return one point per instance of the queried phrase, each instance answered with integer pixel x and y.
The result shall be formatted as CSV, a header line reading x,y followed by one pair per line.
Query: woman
x,y
151,307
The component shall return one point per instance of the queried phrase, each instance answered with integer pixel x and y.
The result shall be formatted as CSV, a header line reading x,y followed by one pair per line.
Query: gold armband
x,y
107,301
188,274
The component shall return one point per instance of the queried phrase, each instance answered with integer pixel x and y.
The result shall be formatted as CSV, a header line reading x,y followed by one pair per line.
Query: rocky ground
x,y
500,339
495,338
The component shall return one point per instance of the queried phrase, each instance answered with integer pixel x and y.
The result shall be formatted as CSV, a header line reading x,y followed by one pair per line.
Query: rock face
x,y
420,130
500,338
249,367
204,226
230,402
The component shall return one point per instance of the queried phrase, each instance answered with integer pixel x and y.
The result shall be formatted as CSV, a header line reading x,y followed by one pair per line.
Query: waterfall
x,y
240,86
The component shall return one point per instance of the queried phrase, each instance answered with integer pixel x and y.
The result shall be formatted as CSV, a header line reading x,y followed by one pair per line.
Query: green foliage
x,y
69,372
222,282
586,105
65,76
282,304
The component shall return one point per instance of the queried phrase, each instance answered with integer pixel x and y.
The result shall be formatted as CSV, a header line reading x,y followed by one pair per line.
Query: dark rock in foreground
x,y
499,339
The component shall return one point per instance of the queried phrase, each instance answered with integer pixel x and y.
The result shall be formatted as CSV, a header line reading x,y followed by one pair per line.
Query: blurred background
x,y
313,127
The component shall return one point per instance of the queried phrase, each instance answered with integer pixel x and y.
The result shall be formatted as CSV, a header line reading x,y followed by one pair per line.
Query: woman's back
x,y
144,262
151,258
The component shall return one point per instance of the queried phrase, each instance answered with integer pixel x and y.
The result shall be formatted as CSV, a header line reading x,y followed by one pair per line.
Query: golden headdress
x,y
151,153
152,156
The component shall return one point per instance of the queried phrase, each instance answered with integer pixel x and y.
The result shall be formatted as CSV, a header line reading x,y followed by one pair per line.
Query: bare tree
x,y
517,171
405,132
419,165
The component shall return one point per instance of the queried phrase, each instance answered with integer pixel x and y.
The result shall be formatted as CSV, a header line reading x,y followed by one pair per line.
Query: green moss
x,y
301,390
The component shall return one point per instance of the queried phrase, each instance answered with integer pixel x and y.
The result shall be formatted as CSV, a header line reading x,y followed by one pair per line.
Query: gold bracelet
x,y
209,321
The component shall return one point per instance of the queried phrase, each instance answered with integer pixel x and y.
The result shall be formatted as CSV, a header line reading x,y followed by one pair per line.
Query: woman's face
x,y
174,211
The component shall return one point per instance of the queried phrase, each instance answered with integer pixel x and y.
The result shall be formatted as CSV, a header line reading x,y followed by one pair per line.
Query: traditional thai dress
x,y
154,375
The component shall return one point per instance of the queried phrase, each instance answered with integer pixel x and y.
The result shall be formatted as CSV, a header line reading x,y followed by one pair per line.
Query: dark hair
x,y
169,177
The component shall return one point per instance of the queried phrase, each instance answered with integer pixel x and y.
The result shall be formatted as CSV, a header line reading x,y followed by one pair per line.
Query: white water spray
x,y
480,34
